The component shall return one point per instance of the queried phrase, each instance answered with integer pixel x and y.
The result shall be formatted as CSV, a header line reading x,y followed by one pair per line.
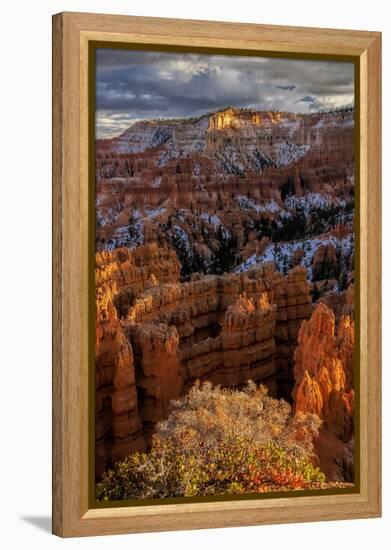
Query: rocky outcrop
x,y
181,134
215,343
324,376
342,303
166,364
190,214
134,267
324,262
134,271
202,298
164,336
118,429
213,187
324,371
120,276
234,118
293,300
159,375
238,127
243,348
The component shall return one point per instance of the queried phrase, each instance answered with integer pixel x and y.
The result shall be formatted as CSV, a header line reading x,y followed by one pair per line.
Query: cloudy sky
x,y
135,85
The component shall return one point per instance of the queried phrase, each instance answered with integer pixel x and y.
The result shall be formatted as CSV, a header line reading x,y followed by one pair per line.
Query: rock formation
x,y
209,233
159,376
324,376
324,262
118,429
133,271
342,303
211,187
292,297
324,371
226,329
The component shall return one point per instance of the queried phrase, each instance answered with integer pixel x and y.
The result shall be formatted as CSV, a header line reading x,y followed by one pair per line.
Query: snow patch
x,y
107,215
249,204
212,219
281,253
288,152
154,212
308,202
130,236
182,237
156,182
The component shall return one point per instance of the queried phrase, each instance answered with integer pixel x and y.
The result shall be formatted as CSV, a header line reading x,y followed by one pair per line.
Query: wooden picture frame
x,y
72,33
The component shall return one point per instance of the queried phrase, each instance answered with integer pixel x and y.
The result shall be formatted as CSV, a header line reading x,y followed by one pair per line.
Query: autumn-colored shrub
x,y
209,414
219,442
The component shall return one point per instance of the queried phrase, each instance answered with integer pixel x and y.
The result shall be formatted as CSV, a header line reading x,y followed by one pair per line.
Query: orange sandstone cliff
x,y
190,215
154,339
324,386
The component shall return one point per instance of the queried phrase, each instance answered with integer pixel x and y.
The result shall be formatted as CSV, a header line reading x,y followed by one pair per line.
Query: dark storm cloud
x,y
134,85
306,99
311,101
290,87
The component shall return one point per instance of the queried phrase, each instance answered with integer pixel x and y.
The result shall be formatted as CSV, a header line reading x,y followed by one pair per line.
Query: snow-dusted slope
x,y
281,253
179,136
238,140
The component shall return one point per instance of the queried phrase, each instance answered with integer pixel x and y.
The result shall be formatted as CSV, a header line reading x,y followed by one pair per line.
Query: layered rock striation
x,y
293,300
216,237
324,370
118,428
164,336
133,271
211,187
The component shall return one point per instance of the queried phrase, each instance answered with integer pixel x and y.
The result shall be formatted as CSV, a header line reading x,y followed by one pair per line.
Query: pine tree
x,y
343,280
315,294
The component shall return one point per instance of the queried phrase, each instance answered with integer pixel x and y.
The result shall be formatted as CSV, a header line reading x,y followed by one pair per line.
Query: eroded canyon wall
x,y
154,339
211,187
324,385
293,300
324,370
118,428
190,215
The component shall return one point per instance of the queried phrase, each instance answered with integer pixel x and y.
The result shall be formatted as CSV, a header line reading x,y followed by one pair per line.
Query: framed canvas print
x,y
216,240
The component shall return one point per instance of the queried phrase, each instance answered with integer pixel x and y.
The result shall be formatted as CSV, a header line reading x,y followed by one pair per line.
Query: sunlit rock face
x,y
239,118
155,336
324,370
292,296
324,376
217,238
214,187
118,429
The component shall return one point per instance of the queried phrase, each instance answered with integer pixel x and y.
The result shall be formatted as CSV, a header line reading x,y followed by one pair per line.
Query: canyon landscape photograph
x,y
224,275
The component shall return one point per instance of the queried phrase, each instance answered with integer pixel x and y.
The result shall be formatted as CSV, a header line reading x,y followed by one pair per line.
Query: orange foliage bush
x,y
217,442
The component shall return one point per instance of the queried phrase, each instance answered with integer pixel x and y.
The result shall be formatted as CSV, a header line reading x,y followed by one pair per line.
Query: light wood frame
x,y
71,35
